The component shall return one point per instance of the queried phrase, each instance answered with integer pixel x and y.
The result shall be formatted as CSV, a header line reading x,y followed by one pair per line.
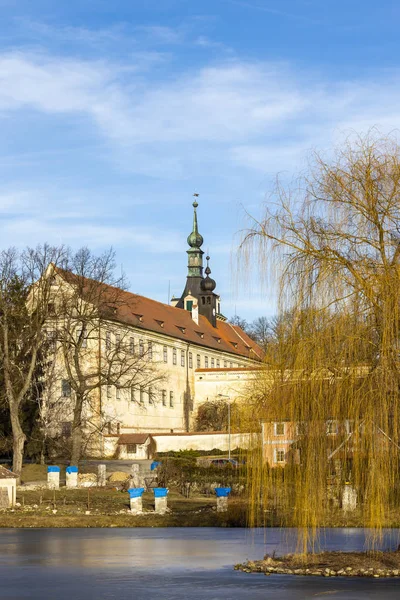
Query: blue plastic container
x,y
70,470
135,492
160,492
222,492
154,465
53,469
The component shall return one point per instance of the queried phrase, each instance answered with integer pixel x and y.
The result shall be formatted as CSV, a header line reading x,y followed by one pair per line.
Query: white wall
x,y
201,441
11,485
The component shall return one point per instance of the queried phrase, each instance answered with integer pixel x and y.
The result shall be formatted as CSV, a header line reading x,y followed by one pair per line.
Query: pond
x,y
169,564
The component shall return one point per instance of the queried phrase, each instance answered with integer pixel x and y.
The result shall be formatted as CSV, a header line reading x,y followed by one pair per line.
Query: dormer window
x,y
160,323
200,334
139,317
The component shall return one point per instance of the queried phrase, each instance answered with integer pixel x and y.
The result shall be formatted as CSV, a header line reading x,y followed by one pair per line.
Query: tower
x,y
198,296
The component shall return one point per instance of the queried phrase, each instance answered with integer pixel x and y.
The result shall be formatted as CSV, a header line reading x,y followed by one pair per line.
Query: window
x,y
206,362
231,365
118,393
150,350
218,363
190,360
51,309
208,300
133,394
131,448
174,359
182,358
108,340
212,363
171,399
301,428
164,397
279,428
198,361
66,428
51,339
141,394
132,345
165,354
225,364
65,388
189,305
203,300
118,339
141,348
279,455
331,427
109,391
109,428
151,397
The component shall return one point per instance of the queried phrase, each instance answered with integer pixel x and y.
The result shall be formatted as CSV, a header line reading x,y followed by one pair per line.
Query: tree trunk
x,y
18,439
77,432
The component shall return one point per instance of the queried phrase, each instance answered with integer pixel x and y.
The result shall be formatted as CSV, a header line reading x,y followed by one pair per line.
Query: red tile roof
x,y
133,438
157,317
6,474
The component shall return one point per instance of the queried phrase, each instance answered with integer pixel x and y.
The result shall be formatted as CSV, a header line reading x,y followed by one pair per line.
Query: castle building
x,y
194,351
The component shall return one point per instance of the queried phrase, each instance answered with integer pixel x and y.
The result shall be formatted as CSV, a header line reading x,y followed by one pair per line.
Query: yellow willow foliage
x,y
331,373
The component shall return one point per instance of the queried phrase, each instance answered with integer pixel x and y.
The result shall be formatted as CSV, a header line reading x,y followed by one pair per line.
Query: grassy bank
x,y
108,507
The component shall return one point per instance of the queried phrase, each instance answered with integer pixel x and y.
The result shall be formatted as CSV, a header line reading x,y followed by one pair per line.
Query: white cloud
x,y
259,116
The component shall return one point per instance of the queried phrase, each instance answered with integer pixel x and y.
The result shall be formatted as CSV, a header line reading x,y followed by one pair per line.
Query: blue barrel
x,y
70,470
135,492
222,492
160,492
53,469
154,465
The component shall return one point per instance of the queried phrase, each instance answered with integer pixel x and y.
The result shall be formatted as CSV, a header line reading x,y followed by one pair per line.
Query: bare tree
x,y
95,348
24,307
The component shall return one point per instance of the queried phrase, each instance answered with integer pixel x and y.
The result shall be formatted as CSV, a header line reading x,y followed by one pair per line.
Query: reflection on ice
x,y
174,563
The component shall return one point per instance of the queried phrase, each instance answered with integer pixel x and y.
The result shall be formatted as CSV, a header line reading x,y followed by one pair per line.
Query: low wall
x,y
200,441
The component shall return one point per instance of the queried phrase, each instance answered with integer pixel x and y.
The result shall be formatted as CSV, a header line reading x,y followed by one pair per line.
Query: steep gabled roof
x,y
6,474
150,315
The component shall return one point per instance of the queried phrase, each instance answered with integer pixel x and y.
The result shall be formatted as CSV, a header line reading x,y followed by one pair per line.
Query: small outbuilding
x,y
8,487
136,445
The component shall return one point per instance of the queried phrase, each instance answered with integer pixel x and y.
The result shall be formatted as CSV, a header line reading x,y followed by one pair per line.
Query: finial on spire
x,y
195,240
208,284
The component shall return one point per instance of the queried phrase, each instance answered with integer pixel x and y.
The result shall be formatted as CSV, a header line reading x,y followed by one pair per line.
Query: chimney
x,y
195,312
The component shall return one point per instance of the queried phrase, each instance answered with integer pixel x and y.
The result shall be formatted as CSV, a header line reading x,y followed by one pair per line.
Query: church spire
x,y
195,241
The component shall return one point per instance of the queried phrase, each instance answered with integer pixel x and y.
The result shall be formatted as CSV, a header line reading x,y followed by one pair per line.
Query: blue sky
x,y
114,113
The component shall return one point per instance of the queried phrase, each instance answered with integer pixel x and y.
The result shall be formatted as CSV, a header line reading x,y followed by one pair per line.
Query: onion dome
x,y
208,284
195,240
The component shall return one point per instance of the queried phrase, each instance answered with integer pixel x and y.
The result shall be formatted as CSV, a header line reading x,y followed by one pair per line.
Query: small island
x,y
328,564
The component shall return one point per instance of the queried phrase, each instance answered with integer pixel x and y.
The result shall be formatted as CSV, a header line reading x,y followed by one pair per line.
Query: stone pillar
x,y
136,480
53,478
101,475
222,498
71,477
160,499
349,498
135,497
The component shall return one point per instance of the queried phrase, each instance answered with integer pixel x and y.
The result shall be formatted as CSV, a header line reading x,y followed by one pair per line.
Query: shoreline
x,y
382,564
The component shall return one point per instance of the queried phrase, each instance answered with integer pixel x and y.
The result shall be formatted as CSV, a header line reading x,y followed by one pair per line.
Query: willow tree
x,y
332,243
